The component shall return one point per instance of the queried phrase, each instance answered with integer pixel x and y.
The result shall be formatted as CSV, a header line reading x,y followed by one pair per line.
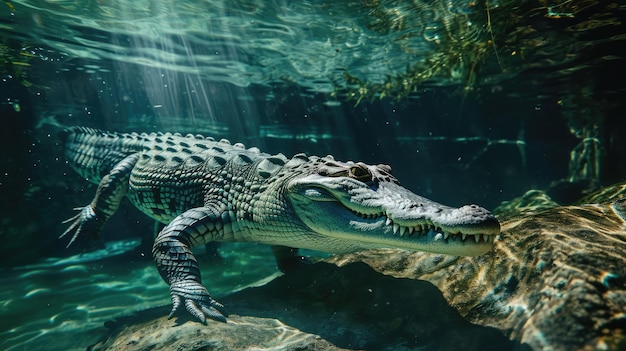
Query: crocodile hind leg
x,y
87,223
178,266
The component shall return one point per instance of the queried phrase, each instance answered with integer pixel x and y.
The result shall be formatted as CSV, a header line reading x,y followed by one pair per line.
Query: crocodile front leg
x,y
87,223
179,268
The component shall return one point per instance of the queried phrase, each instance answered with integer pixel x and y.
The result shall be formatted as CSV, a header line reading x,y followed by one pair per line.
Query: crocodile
x,y
205,190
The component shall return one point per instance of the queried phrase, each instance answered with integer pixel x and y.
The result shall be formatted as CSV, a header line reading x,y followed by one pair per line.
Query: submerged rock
x,y
321,307
239,334
555,280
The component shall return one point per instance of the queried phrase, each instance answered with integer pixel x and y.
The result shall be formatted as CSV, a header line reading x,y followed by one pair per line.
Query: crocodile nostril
x,y
473,208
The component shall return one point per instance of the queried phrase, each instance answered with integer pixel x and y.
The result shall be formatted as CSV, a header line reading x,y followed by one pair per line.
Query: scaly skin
x,y
206,190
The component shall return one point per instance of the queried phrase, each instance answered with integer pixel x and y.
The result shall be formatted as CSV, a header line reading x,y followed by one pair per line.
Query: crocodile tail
x,y
93,153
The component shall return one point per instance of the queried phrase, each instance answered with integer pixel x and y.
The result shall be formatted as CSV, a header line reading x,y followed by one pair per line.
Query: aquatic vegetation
x,y
458,37
464,39
14,61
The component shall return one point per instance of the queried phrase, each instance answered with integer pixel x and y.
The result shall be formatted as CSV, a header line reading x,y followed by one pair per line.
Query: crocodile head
x,y
365,206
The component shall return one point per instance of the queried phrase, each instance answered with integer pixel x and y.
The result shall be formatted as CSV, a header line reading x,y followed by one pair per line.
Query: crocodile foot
x,y
85,226
197,301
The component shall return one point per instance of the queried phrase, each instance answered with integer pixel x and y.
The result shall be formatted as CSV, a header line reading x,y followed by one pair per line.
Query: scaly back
x,y
93,153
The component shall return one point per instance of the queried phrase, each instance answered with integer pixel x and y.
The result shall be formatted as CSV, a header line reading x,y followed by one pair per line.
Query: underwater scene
x,y
313,175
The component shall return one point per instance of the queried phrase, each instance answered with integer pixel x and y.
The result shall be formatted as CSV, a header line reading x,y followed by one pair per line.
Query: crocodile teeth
x,y
439,234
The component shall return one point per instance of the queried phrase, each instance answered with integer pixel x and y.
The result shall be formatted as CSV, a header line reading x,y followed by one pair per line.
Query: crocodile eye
x,y
357,171
360,173
333,169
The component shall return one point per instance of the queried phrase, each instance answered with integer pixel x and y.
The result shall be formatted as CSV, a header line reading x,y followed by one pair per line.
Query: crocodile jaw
x,y
388,215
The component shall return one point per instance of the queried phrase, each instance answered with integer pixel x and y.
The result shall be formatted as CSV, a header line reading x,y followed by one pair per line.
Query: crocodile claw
x,y
197,301
85,225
